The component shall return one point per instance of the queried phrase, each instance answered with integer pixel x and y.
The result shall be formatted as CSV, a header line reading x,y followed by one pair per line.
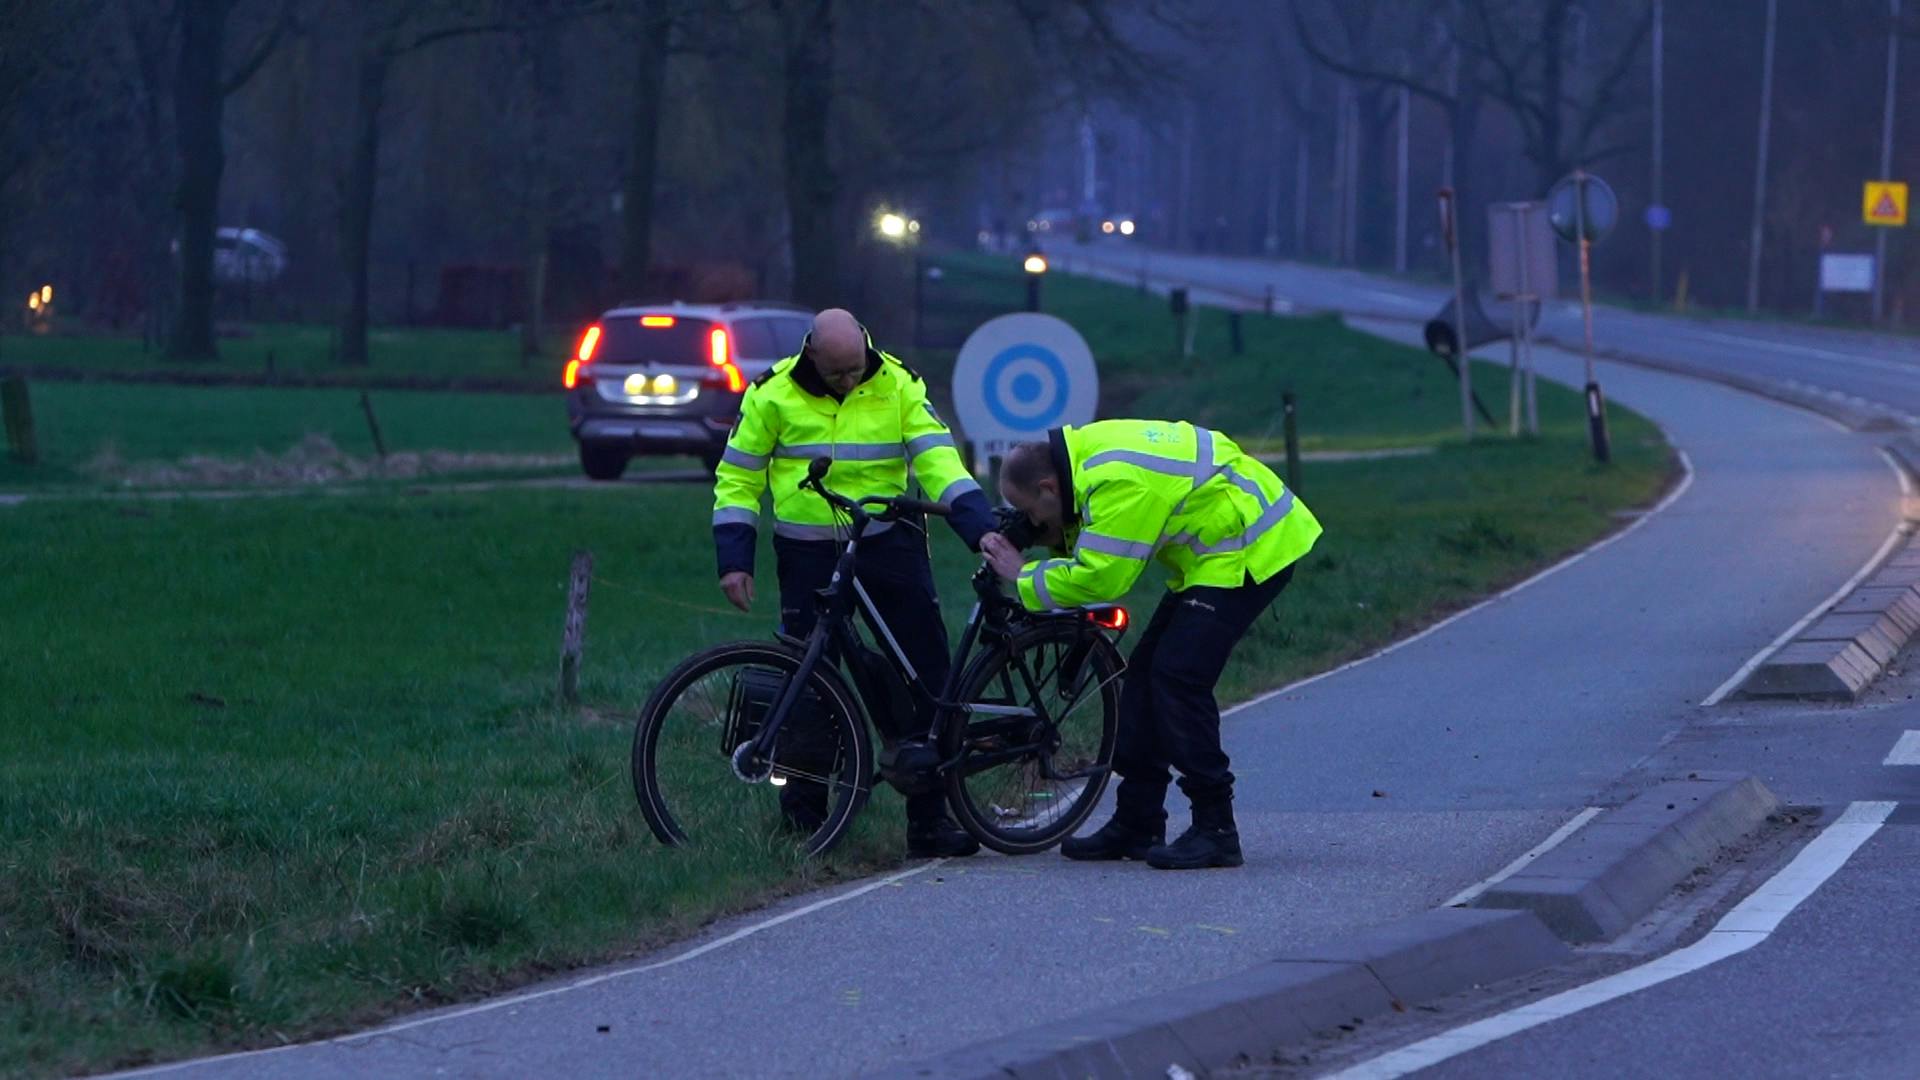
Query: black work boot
x,y
939,838
1210,841
1117,839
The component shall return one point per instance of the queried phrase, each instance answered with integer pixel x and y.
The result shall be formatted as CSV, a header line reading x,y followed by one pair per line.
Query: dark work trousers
x,y
894,568
1168,715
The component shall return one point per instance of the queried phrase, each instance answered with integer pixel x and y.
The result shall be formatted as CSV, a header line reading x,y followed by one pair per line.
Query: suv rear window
x,y
769,338
623,340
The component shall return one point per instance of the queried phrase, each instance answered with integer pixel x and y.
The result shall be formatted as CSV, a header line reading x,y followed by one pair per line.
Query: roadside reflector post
x,y
573,636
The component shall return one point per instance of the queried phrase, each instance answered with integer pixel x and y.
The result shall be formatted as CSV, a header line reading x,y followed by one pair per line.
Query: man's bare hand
x,y
1005,559
738,585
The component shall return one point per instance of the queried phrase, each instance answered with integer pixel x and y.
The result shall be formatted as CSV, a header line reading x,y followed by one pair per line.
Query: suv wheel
x,y
603,462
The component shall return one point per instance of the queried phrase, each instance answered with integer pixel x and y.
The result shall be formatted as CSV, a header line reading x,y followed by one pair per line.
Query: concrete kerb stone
x,y
1610,874
1279,1003
1840,654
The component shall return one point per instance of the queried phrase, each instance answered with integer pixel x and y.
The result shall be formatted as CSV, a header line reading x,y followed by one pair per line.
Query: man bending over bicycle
x,y
840,397
1112,495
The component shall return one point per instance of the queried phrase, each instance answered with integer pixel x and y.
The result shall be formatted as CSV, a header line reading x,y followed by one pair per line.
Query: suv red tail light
x,y
720,354
581,356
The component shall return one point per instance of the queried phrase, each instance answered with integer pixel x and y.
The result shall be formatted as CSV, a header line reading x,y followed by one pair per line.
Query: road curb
x,y
1611,873
1839,654
1285,1000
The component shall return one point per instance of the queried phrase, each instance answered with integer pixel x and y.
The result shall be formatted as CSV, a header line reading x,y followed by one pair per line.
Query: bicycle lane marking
x,y
1750,922
535,995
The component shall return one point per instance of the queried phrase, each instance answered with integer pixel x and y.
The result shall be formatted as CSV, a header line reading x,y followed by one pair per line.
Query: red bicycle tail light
x,y
1114,618
656,322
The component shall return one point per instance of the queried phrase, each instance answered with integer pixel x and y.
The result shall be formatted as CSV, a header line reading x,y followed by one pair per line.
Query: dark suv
x,y
667,378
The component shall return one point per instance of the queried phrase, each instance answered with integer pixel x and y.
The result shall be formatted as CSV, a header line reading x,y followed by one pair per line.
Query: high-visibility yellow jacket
x,y
875,435
1144,489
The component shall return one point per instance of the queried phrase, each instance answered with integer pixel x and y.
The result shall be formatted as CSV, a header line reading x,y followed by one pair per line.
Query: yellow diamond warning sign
x,y
1885,203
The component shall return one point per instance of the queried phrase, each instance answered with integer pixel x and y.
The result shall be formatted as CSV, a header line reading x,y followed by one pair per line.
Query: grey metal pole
x,y
1886,160
1400,191
1450,226
1659,141
1760,168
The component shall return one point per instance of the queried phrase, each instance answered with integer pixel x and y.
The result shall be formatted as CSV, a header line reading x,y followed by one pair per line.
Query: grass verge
x,y
276,768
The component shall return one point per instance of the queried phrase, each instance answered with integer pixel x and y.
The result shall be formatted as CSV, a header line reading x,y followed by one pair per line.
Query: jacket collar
x,y
1063,469
809,378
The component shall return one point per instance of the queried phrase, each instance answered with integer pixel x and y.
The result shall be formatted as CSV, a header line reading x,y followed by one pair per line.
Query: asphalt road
x,y
1482,737
1880,368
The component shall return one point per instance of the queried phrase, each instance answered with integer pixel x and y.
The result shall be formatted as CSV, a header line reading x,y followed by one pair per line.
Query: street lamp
x,y
1036,268
892,226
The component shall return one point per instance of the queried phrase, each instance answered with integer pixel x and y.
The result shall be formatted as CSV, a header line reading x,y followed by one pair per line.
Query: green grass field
x,y
274,768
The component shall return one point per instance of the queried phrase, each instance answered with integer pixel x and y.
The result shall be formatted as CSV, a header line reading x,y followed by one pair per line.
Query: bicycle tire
x,y
683,776
1021,811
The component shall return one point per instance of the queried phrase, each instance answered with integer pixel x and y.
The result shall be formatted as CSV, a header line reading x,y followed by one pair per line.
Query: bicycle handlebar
x,y
891,505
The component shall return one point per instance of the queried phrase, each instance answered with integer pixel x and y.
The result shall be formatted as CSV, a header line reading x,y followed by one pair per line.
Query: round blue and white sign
x,y
1019,375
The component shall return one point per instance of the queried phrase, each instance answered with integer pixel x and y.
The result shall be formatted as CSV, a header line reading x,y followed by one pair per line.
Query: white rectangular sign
x,y
1846,273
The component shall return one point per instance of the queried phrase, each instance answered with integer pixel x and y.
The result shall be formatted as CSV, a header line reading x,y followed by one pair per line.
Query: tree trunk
x,y
356,214
198,104
643,148
812,187
539,44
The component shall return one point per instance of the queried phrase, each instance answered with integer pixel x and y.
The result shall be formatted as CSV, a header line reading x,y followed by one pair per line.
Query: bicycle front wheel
x,y
820,770
1030,760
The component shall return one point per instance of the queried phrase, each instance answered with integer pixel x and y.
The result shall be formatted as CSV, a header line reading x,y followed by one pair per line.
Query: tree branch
x,y
261,51
1353,71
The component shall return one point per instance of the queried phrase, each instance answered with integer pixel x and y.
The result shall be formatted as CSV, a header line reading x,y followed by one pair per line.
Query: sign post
x,y
1448,216
1583,209
1524,271
1017,376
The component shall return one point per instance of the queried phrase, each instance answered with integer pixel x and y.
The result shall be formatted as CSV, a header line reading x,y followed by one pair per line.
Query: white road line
x,y
1873,562
1807,350
1466,895
1747,925
1686,481
577,984
1906,751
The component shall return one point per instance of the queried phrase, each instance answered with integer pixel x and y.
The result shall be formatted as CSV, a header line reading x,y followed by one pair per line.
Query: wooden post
x,y
573,637
18,409
373,425
1292,432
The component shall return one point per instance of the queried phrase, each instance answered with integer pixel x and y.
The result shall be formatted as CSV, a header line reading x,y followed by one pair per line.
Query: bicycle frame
x,y
994,615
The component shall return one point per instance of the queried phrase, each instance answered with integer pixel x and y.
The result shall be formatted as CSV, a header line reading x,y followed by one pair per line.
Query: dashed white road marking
x,y
1873,562
1466,895
1747,925
1906,751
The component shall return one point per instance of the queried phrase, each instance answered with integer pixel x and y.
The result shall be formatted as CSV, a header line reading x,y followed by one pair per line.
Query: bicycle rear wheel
x,y
1029,768
821,770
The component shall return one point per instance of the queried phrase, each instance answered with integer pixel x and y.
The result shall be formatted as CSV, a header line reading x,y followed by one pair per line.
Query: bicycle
x,y
1016,737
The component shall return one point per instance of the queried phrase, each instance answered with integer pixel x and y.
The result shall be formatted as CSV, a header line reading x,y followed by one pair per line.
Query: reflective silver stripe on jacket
x,y
842,451
924,443
736,515
794,530
956,489
1038,575
1113,545
741,459
1265,522
1199,470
